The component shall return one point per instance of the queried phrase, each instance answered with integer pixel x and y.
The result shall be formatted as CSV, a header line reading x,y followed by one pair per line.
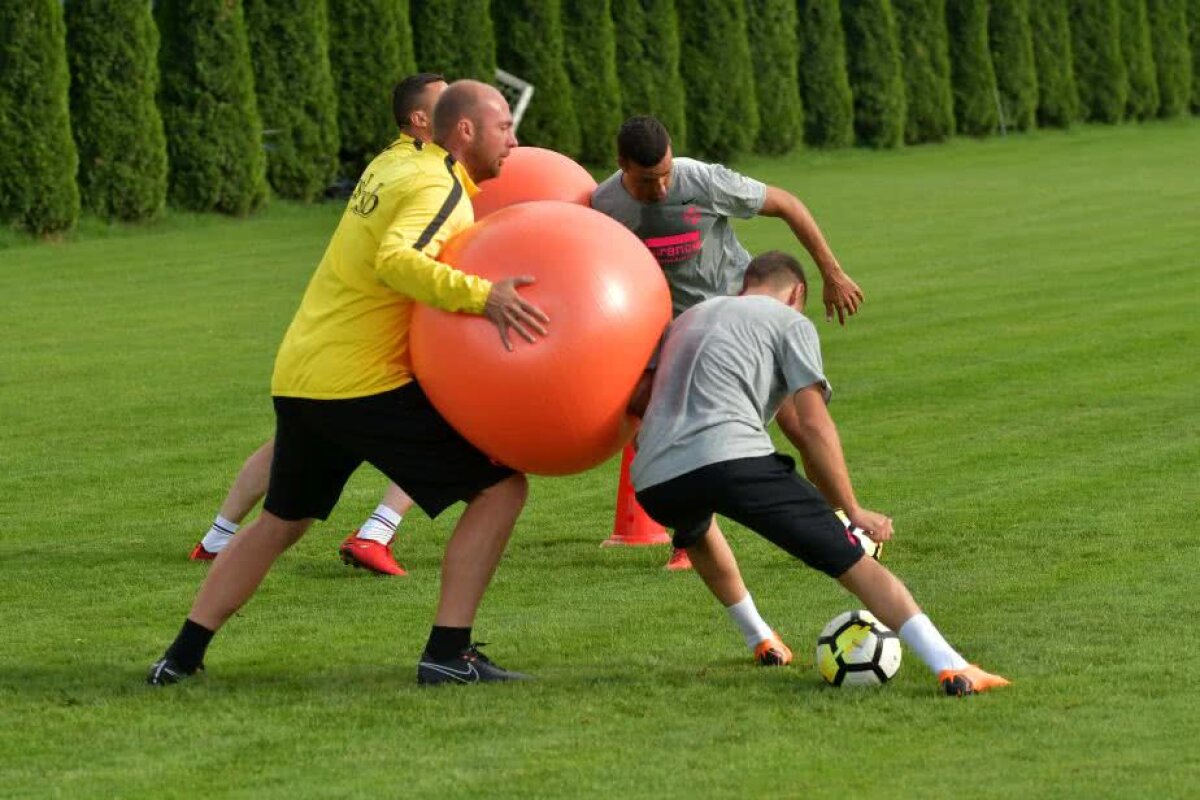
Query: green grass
x,y
1019,392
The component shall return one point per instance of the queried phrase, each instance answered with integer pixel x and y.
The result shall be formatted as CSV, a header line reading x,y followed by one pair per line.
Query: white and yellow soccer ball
x,y
856,649
872,548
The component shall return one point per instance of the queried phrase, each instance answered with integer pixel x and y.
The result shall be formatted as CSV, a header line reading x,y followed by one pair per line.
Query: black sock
x,y
188,648
446,643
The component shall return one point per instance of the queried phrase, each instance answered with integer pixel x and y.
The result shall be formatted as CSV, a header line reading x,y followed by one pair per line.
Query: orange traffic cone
x,y
632,525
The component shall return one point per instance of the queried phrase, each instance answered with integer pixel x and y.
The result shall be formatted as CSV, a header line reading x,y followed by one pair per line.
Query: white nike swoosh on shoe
x,y
469,675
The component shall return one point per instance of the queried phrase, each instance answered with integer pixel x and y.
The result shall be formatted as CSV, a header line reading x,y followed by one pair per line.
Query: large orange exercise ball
x,y
556,406
534,173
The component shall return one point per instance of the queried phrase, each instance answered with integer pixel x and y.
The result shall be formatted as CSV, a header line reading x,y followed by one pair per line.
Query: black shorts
x,y
319,444
767,496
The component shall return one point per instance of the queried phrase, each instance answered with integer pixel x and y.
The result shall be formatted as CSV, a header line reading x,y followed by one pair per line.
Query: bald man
x,y
344,393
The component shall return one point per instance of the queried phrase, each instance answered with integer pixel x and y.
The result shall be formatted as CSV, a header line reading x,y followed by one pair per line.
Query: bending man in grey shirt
x,y
724,368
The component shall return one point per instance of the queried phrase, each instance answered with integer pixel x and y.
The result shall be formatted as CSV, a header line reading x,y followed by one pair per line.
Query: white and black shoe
x,y
167,671
469,666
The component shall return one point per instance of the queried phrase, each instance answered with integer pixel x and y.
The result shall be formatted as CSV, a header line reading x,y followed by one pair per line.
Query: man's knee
x,y
512,491
284,531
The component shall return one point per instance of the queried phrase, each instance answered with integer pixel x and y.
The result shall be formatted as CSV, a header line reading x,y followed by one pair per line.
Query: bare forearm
x,y
811,430
797,216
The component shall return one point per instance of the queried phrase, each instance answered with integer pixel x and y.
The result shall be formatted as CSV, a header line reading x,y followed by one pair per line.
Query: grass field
x,y
1019,392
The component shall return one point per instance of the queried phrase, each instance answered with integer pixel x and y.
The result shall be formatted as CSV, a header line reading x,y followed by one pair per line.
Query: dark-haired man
x,y
725,366
369,546
344,393
681,208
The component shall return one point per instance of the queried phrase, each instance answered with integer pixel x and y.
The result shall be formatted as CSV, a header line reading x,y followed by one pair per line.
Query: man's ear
x,y
798,296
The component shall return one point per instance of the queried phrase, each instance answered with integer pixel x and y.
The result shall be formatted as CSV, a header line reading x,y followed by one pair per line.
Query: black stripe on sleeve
x,y
444,212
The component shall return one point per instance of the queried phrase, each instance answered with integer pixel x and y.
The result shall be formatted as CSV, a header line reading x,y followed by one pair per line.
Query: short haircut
x,y
462,99
643,140
775,268
406,95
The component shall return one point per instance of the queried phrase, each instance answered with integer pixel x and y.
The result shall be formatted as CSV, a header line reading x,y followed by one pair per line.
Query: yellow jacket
x,y
350,336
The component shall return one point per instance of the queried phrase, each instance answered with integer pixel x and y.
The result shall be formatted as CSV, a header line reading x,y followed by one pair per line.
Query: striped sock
x,y
380,526
219,534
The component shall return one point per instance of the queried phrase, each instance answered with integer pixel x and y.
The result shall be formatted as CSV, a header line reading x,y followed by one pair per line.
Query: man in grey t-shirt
x,y
681,209
724,368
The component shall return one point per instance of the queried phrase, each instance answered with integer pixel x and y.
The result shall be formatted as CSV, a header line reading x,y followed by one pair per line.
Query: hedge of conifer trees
x,y
210,104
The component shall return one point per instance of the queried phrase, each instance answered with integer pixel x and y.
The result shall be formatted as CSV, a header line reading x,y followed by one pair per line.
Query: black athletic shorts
x,y
767,496
319,443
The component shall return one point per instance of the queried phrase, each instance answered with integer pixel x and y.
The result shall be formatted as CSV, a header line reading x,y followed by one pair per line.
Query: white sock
x,y
380,526
753,627
921,635
219,534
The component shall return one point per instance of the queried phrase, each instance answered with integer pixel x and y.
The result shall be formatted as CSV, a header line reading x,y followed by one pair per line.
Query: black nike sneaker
x,y
469,666
167,671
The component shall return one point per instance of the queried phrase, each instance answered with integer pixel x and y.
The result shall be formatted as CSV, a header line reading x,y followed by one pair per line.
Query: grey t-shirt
x,y
724,368
688,231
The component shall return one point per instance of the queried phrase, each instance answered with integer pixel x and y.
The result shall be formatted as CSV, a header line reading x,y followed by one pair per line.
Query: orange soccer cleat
x,y
772,652
200,553
369,555
969,680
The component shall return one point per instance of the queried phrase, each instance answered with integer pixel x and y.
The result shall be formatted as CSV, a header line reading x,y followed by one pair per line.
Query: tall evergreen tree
x,y
1142,100
294,87
455,38
925,56
648,64
367,56
37,155
529,44
1011,42
824,84
591,60
1172,55
873,67
1099,70
112,47
1193,17
1058,100
722,110
771,25
971,73
214,134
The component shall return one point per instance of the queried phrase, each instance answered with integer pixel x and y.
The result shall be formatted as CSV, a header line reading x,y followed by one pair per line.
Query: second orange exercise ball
x,y
556,406
534,173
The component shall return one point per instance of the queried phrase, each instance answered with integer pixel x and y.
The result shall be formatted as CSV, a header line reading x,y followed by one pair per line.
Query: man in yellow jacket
x,y
344,392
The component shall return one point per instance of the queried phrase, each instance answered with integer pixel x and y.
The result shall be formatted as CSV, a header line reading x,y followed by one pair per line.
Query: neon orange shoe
x,y
679,560
969,680
199,553
369,555
772,652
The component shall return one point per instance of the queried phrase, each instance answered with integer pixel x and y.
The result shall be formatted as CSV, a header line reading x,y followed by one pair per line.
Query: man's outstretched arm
x,y
840,292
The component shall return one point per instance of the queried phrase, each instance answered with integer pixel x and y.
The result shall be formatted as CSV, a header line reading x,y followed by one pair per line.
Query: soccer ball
x,y
872,548
855,649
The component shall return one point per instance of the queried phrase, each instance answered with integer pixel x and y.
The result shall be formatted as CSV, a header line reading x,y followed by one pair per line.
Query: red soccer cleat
x,y
200,554
679,560
772,652
369,555
971,680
